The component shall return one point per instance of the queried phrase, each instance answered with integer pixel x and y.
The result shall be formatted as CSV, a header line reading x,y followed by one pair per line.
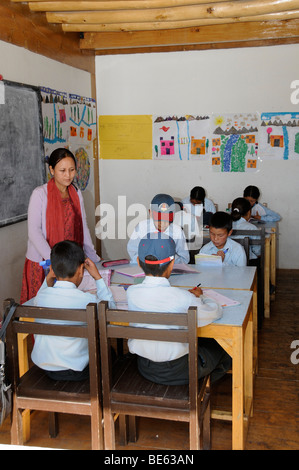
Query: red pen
x,y
197,286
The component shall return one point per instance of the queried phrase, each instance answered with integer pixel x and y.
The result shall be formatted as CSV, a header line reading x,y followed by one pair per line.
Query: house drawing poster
x,y
279,135
180,138
234,142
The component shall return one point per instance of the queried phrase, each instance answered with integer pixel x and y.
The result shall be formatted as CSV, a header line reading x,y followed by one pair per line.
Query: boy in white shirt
x,y
163,362
66,358
161,220
231,252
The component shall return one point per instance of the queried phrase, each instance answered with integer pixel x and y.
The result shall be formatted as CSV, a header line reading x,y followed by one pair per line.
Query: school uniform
x,y
208,205
57,353
173,230
242,224
235,256
165,362
267,215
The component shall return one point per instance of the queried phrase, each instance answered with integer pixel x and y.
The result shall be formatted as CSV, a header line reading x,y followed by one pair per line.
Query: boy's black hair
x,y
198,193
156,270
66,257
221,220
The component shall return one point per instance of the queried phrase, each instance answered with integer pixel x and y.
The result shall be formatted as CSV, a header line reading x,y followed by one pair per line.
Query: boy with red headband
x,y
161,220
164,362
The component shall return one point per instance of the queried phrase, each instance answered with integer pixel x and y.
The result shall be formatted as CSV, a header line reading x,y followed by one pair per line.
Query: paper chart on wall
x,y
180,138
82,119
279,136
234,142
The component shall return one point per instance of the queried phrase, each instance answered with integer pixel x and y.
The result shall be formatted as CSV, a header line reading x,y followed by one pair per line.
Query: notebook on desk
x,y
132,271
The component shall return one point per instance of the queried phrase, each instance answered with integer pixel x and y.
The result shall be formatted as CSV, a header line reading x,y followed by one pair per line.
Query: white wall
x,y
20,65
201,82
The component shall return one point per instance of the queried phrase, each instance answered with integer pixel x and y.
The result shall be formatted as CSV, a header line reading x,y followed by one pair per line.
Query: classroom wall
x,y
20,65
200,82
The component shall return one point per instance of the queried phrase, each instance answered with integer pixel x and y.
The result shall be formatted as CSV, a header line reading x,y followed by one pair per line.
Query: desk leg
x,y
273,260
238,391
23,367
267,278
248,368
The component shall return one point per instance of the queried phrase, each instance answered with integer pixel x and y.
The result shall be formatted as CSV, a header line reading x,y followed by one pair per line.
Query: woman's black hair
x,y
252,191
156,270
240,207
59,154
66,257
198,193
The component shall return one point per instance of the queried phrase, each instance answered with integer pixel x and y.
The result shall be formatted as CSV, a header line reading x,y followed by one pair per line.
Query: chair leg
x,y
123,430
109,431
206,434
16,426
53,425
194,432
133,431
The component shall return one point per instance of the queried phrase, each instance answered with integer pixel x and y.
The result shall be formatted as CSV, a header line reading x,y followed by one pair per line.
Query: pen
x,y
197,286
226,250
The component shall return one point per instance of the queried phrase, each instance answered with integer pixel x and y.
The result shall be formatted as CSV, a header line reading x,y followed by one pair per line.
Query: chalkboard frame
x,y
21,217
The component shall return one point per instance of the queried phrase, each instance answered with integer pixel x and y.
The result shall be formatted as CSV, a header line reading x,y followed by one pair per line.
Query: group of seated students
x,y
156,244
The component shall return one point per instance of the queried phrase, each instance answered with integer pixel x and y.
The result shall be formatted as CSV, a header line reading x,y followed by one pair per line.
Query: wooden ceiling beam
x,y
119,27
238,8
92,5
229,33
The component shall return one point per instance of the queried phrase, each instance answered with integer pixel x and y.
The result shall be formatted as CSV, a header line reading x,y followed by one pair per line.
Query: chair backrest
x,y
259,239
120,324
86,327
245,243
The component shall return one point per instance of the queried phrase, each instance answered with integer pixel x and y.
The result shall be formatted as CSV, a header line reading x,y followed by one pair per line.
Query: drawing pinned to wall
x,y
180,138
82,118
55,119
83,166
234,142
279,135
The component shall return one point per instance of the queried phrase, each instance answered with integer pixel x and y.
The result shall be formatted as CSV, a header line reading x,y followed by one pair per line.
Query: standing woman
x,y
55,213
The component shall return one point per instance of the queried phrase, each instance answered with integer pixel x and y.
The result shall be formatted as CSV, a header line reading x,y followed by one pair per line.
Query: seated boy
x,y
66,358
164,362
161,220
231,252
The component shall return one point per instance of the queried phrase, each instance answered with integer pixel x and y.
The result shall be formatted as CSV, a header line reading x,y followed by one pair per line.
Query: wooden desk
x,y
271,233
227,277
234,332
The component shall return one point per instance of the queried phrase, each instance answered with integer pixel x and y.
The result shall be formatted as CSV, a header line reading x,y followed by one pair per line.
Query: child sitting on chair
x,y
163,362
161,220
66,358
231,252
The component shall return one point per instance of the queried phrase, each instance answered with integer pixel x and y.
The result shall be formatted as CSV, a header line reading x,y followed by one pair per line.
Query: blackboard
x,y
22,165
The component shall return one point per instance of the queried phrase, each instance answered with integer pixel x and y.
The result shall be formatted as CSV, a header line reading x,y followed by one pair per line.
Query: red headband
x,y
168,216
159,261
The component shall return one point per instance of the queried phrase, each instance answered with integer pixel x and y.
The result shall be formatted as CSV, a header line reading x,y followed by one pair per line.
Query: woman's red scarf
x,y
55,215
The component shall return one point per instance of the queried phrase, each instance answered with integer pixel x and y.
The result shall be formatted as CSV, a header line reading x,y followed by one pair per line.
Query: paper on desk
x,y
221,299
181,268
88,283
132,271
120,297
208,260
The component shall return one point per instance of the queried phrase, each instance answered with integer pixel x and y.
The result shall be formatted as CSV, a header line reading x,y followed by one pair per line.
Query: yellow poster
x,y
125,137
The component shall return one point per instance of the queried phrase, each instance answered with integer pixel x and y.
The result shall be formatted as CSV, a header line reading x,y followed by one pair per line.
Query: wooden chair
x,y
35,390
245,243
125,391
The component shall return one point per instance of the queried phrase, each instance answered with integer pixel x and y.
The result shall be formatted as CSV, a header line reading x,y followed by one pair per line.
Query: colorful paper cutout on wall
x,y
180,138
82,118
83,167
234,142
279,135
125,137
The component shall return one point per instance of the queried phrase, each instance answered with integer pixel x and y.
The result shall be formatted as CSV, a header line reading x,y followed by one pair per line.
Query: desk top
x,y
234,316
225,277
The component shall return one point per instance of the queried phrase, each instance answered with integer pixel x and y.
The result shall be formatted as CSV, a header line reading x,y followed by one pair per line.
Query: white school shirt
x,y
235,255
267,215
58,352
173,230
208,205
155,294
242,224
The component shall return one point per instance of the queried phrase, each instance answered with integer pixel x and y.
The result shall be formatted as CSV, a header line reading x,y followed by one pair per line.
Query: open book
x,y
208,260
